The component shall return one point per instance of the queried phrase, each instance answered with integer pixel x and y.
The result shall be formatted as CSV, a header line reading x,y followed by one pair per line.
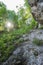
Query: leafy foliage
x,y
2,10
9,39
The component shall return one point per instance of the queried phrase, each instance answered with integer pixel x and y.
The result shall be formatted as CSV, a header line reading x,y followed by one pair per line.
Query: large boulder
x,y
37,9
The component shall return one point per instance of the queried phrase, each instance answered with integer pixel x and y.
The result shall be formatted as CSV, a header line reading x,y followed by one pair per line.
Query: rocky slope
x,y
28,53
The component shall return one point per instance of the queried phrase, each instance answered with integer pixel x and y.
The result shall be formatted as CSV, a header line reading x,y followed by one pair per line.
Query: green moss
x,y
37,41
41,27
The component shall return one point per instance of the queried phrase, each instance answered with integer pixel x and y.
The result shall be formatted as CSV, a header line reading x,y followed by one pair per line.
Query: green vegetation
x,y
23,23
38,42
41,27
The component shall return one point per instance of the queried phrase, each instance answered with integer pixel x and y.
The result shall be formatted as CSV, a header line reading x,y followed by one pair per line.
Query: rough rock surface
x,y
37,9
28,53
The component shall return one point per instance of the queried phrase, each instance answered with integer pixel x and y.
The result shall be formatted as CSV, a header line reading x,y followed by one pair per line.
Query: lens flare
x,y
9,25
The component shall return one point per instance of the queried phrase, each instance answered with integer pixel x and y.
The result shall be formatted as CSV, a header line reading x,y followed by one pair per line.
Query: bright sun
x,y
11,4
9,24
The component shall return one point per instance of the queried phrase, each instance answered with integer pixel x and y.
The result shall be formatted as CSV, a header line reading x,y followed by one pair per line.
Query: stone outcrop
x,y
37,10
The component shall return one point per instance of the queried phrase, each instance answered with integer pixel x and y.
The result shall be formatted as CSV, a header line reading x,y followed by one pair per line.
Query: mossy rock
x,y
41,27
38,41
